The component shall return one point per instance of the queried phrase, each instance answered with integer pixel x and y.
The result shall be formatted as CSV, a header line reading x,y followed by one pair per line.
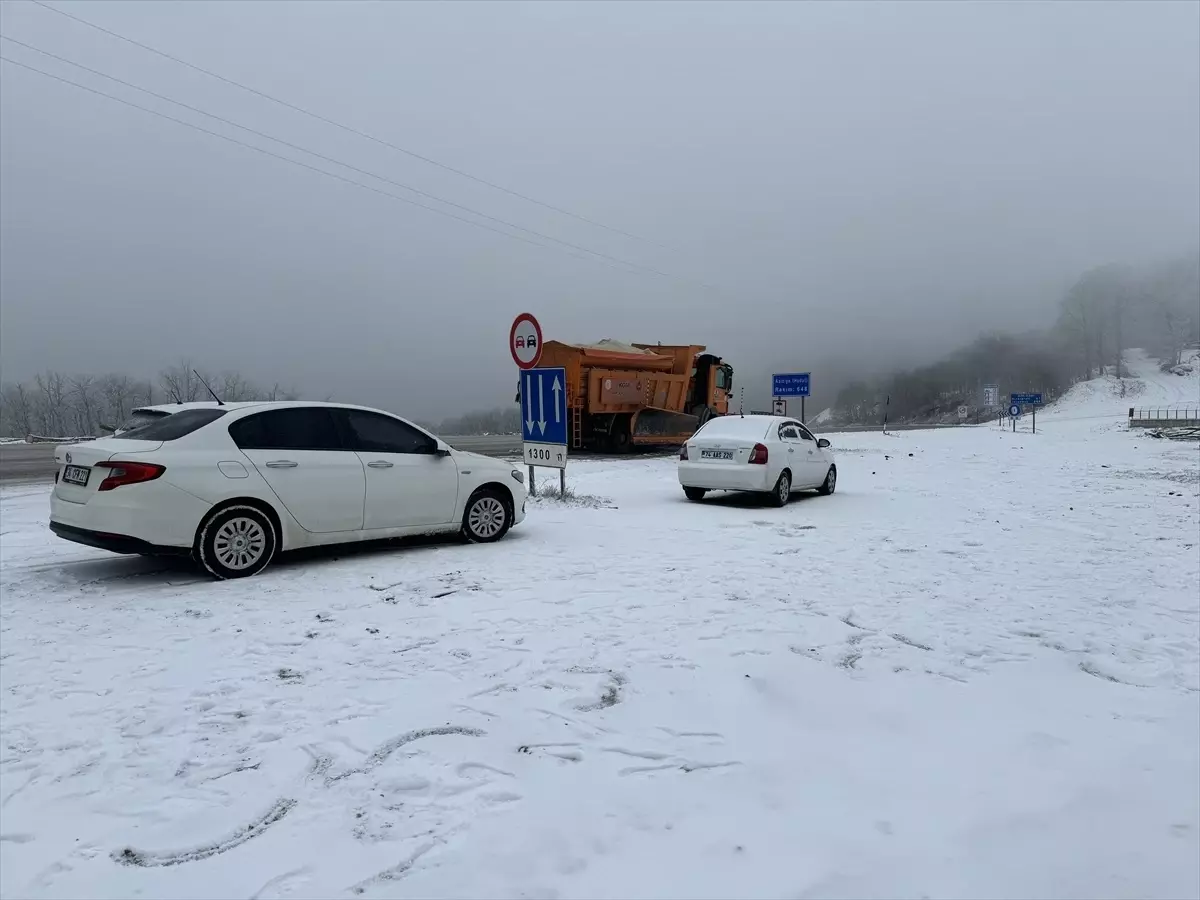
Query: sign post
x,y
525,345
779,407
1016,401
792,384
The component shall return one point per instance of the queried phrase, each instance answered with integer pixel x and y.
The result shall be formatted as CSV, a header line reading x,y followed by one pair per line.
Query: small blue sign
x,y
544,406
1026,399
1014,411
794,384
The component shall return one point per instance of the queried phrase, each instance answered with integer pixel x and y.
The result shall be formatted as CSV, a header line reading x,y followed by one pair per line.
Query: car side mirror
x,y
823,444
440,451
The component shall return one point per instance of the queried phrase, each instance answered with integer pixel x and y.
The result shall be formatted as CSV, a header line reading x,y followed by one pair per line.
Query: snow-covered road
x,y
974,671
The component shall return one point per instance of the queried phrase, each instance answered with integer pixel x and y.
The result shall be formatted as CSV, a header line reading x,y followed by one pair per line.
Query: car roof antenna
x,y
220,402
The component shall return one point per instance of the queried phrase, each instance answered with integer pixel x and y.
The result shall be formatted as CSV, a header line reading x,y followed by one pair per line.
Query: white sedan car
x,y
232,485
773,455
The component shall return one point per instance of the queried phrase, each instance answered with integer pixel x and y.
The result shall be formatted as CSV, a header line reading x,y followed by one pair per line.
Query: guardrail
x,y
1164,416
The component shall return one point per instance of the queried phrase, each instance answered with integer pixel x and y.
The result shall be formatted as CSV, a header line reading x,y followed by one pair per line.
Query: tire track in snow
x,y
145,859
389,747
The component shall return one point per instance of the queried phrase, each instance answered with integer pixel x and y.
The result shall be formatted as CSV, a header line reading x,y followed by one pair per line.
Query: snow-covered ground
x,y
974,671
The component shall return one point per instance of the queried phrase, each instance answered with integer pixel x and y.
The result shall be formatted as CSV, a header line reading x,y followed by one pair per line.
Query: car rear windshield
x,y
173,426
733,427
140,417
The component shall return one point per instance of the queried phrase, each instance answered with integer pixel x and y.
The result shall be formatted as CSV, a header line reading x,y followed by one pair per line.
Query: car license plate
x,y
76,475
716,454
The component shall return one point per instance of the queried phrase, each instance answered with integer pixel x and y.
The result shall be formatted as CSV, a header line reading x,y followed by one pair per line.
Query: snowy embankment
x,y
974,671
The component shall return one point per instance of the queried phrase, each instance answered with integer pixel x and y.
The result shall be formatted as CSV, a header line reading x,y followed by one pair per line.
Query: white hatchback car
x,y
233,485
773,455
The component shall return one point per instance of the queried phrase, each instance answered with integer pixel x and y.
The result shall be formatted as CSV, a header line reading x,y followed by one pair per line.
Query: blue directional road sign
x,y
794,384
1026,399
544,406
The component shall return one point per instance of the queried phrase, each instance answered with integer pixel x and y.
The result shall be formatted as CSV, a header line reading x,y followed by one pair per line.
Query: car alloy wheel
x,y
487,518
783,490
830,483
239,543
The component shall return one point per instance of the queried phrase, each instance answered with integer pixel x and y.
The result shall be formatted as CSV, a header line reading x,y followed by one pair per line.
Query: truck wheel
x,y
620,440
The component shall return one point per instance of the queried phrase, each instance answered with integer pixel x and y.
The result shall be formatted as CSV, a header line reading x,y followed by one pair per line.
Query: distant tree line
x,y
1107,310
53,404
503,420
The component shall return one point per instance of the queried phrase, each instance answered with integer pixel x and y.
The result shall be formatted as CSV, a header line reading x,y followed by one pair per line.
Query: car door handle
x,y
282,464
791,449
380,464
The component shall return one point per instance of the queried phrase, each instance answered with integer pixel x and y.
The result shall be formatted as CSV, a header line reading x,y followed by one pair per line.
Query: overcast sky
x,y
817,182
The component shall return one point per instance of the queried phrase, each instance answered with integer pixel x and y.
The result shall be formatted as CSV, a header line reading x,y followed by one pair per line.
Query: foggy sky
x,y
863,183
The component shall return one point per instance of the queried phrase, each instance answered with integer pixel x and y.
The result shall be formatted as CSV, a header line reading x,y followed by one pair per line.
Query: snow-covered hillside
x,y
972,672
1146,386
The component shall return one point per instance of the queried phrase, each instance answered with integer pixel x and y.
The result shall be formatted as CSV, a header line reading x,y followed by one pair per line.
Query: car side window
x,y
805,434
299,428
370,432
788,432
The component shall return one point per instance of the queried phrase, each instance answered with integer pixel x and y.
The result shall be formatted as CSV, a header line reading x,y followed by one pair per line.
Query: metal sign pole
x,y
562,484
1035,419
802,419
532,484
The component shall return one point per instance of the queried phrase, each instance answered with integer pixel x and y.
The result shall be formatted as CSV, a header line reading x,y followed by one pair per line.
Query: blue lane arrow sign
x,y
539,387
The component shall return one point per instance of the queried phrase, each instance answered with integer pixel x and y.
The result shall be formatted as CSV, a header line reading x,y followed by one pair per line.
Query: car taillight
x,y
122,473
683,452
758,456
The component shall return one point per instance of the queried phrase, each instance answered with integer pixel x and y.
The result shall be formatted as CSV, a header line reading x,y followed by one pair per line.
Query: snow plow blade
x,y
662,426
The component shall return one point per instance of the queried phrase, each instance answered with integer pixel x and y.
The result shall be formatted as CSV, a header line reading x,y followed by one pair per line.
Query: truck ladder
x,y
575,411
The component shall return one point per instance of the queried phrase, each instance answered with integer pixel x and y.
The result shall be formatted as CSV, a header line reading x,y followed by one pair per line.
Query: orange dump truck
x,y
622,395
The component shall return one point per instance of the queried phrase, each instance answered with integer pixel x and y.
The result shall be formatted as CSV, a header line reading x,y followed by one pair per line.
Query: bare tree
x,y
118,392
82,392
16,410
181,384
51,406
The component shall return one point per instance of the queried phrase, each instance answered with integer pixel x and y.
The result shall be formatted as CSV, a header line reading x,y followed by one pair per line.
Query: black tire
x,y
694,494
487,517
829,485
620,441
782,492
237,542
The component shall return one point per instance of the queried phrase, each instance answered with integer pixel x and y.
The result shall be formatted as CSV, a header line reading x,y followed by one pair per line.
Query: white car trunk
x,y
78,478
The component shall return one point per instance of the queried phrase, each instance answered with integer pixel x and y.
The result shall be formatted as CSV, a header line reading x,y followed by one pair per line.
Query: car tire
x,y
782,492
237,542
488,517
829,485
694,494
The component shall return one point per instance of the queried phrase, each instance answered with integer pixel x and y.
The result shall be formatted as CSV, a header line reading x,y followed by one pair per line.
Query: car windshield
x,y
173,426
734,427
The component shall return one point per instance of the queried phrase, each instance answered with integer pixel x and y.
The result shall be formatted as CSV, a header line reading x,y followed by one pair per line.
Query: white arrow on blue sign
x,y
544,406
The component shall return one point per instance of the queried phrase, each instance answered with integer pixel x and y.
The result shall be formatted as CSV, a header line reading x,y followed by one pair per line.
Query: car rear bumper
x,y
114,543
727,477
154,514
